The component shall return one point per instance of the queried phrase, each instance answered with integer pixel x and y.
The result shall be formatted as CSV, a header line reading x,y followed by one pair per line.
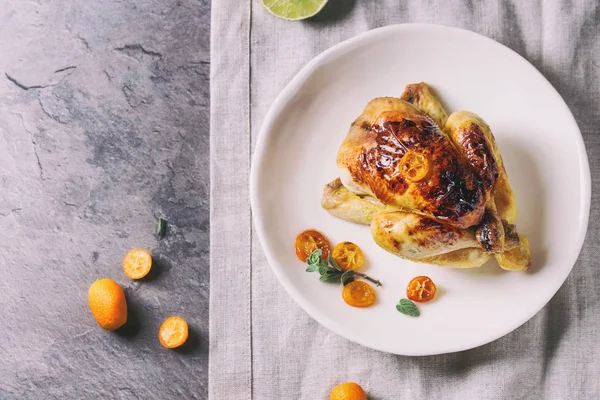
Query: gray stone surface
x,y
103,127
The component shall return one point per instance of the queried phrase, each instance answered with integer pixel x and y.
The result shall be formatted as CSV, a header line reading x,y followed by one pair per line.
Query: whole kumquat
x,y
348,391
108,304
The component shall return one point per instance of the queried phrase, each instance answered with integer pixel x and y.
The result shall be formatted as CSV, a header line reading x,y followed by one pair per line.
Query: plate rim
x,y
289,92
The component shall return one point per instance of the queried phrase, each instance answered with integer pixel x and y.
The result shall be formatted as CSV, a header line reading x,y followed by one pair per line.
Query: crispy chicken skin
x,y
473,136
471,133
369,164
458,210
416,236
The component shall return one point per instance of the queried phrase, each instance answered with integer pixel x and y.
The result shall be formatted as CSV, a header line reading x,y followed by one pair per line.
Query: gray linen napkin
x,y
262,345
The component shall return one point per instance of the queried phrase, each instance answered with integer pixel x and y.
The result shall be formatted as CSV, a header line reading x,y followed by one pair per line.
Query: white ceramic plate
x,y
542,149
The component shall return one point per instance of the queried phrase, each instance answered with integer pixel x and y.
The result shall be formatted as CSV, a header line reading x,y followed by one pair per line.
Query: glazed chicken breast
x,y
399,155
432,187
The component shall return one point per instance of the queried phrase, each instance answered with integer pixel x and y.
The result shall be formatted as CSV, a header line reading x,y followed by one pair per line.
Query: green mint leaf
x,y
315,257
407,307
334,264
312,268
324,270
324,264
330,277
348,277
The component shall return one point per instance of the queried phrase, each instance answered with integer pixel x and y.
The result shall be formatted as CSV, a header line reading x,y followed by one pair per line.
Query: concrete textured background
x,y
103,127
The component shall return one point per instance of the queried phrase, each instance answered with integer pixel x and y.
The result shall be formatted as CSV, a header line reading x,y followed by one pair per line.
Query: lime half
x,y
294,10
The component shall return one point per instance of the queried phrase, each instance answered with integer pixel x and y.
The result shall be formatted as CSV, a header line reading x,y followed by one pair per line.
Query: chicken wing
x,y
344,204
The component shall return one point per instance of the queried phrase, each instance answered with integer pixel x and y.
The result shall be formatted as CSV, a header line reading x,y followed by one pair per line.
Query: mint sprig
x,y
314,260
329,271
407,307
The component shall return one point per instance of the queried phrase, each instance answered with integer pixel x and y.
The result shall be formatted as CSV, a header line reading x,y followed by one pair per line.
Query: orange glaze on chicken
x,y
373,150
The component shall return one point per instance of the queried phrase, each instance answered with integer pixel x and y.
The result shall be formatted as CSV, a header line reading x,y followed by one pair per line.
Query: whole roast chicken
x,y
432,187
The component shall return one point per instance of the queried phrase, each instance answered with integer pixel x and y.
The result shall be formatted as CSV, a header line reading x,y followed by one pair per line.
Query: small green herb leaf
x,y
312,268
315,257
334,264
161,226
348,277
330,277
407,307
329,271
324,264
324,270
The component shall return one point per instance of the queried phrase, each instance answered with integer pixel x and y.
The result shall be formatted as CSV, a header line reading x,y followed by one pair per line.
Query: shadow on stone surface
x,y
193,344
133,324
334,10
159,265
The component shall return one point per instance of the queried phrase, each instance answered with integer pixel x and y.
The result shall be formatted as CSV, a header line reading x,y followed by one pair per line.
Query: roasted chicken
x,y
432,187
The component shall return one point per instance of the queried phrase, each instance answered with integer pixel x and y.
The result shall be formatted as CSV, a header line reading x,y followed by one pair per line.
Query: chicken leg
x,y
474,138
399,233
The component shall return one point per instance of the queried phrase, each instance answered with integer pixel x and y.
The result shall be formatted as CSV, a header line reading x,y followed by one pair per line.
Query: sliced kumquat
x,y
348,256
309,241
414,166
173,332
137,263
421,289
358,294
